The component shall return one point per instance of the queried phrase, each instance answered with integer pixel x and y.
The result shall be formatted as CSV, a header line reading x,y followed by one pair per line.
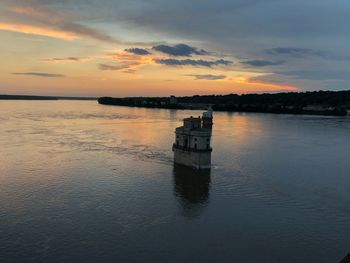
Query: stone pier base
x,y
194,159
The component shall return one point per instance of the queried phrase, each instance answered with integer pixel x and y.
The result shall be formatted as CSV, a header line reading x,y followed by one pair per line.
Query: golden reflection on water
x,y
238,129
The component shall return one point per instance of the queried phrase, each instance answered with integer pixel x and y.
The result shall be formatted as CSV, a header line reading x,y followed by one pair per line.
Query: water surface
x,y
82,182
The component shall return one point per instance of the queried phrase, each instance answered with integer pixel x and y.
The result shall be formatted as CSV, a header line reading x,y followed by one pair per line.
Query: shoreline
x,y
319,113
274,109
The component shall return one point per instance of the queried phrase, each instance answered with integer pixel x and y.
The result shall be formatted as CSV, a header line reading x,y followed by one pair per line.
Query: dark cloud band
x,y
67,59
193,62
39,74
262,63
180,50
138,51
207,77
296,52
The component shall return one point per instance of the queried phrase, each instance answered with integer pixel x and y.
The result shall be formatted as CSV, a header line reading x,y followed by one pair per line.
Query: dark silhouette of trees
x,y
316,102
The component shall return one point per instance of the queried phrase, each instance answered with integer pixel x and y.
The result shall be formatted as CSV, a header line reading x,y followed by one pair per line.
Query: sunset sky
x,y
167,47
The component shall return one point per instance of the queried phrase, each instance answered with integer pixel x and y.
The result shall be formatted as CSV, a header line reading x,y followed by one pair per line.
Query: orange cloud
x,y
272,86
36,30
129,62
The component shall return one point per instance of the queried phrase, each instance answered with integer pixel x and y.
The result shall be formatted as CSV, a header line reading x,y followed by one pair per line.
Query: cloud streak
x,y
193,62
207,77
36,30
317,74
39,74
296,52
52,24
81,30
262,63
306,52
125,67
37,12
68,59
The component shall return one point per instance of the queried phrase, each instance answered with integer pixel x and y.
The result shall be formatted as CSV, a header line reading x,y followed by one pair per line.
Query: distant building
x,y
195,106
192,142
172,100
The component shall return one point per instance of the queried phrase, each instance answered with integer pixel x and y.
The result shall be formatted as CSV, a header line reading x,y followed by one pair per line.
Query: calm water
x,y
82,182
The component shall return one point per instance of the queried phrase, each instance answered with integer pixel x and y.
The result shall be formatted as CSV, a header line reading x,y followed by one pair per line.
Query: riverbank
x,y
314,103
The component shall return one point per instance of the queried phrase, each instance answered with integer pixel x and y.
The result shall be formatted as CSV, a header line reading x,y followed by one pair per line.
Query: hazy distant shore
x,y
33,97
315,103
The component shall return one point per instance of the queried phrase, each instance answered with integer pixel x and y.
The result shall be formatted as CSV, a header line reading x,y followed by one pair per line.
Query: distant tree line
x,y
316,102
330,98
